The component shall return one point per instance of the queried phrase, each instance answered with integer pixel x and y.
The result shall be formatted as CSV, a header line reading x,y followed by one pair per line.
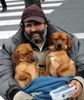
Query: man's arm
x,y
79,60
7,83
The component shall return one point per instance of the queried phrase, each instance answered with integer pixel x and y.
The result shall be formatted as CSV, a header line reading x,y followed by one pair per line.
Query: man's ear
x,y
46,25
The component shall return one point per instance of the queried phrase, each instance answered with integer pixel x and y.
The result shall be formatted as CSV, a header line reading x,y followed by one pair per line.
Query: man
x,y
34,30
4,6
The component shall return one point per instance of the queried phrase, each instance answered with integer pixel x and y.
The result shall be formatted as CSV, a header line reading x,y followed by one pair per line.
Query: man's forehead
x,y
30,22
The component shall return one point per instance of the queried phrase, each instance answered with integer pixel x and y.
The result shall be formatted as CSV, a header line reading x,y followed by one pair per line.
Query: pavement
x,y
70,17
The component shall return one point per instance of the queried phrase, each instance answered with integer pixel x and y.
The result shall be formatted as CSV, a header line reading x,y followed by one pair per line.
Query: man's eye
x,y
28,25
37,24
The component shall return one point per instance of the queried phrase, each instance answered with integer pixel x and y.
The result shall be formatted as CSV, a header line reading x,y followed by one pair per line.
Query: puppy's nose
x,y
59,46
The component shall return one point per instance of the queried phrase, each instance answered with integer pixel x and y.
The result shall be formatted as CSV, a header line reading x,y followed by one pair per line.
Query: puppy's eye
x,y
64,39
55,39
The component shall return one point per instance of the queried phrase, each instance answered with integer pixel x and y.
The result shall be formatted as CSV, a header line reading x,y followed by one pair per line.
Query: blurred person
x,y
30,2
4,5
35,29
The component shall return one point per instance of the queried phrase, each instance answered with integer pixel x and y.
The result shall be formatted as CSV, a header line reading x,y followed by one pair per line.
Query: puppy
x,y
26,67
58,63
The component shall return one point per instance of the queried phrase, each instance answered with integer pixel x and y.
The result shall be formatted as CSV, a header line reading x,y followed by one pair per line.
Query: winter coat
x,y
8,86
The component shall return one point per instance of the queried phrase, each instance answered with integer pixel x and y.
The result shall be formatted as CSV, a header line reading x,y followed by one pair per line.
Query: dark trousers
x,y
30,2
3,3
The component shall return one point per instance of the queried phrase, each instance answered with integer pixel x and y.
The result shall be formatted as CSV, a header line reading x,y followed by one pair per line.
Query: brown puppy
x,y
26,68
58,63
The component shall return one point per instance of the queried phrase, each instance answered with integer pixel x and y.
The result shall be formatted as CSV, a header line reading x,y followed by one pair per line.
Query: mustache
x,y
37,32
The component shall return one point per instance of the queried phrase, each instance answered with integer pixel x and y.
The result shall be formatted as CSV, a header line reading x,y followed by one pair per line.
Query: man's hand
x,y
78,88
22,96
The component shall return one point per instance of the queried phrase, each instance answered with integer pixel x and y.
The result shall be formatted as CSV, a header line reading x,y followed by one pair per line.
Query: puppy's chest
x,y
60,56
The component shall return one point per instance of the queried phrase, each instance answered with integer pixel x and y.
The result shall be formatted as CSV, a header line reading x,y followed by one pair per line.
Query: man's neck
x,y
40,45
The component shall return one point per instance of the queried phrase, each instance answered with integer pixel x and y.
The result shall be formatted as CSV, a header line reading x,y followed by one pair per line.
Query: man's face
x,y
35,31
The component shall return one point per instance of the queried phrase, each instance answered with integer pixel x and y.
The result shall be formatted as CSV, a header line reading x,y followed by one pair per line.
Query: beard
x,y
37,36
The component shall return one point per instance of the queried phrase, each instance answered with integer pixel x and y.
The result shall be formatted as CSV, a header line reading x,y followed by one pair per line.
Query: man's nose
x,y
33,28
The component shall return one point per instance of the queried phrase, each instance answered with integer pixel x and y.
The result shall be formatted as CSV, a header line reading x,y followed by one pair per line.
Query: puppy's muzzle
x,y
58,46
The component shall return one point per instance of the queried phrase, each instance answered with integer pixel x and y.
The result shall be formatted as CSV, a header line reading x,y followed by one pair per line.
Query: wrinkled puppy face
x,y
61,40
26,52
23,52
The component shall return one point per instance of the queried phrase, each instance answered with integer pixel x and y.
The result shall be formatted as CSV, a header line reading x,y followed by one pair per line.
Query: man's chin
x,y
36,41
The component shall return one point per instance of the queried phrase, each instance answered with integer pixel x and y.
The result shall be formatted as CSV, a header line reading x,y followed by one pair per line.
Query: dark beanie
x,y
33,12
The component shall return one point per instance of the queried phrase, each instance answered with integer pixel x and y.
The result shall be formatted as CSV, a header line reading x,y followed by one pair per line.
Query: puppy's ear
x,y
69,42
15,57
51,39
51,36
52,48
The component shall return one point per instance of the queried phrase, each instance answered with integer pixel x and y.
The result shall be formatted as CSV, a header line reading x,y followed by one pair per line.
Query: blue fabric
x,y
41,87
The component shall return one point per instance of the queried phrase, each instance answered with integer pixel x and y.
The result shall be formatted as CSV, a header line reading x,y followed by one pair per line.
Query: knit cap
x,y
33,12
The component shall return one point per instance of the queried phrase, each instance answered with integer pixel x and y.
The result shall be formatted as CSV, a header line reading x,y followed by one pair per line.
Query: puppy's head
x,y
23,52
61,40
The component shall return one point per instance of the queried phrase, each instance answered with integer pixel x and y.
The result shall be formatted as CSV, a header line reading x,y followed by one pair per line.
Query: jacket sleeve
x,y
77,55
8,86
80,59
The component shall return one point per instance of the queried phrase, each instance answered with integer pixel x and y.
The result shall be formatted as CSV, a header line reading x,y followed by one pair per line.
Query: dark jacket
x,y
8,86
